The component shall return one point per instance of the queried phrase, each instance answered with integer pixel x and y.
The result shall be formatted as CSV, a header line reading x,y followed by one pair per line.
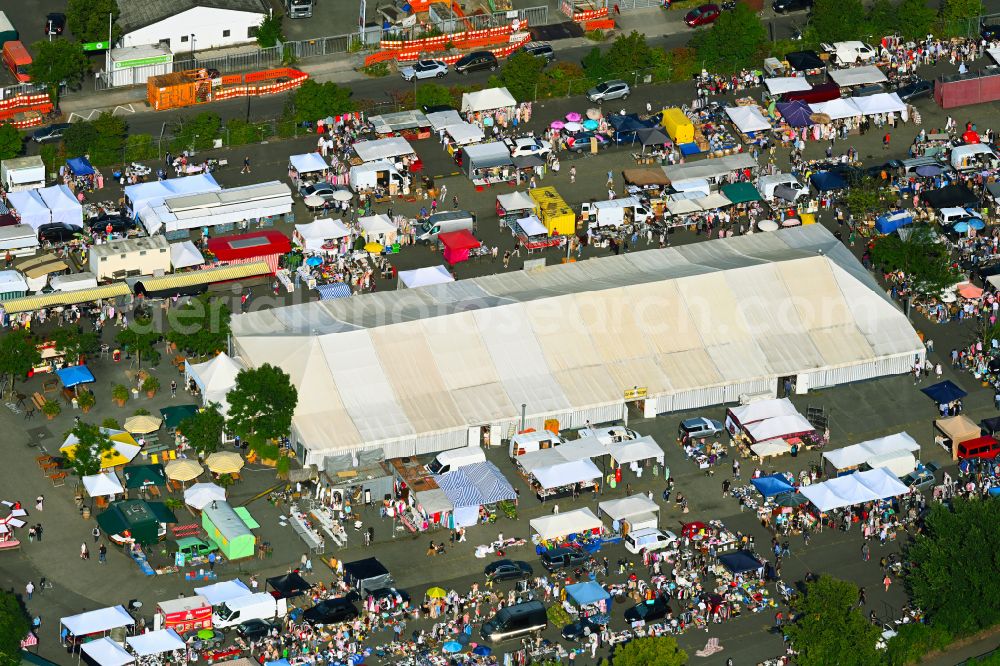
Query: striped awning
x,y
333,290
208,276
61,298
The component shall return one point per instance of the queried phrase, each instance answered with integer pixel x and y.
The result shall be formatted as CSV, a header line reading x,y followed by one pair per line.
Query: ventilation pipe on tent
x,y
524,414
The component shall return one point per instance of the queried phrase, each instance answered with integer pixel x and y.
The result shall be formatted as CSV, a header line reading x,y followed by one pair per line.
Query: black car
x,y
475,61
648,611
560,558
783,6
915,90
581,629
118,224
50,133
331,611
55,23
507,570
254,630
540,50
889,167
57,232
990,32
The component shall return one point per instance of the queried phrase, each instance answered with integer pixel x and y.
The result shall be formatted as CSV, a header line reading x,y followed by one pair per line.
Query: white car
x,y
424,69
527,145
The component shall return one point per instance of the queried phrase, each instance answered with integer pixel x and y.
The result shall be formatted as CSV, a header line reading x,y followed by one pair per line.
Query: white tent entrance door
x,y
475,435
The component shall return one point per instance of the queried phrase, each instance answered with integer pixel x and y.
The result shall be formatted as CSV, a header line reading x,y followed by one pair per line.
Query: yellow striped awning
x,y
206,276
61,298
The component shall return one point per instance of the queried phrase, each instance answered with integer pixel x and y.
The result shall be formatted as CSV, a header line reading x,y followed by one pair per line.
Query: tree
x,y
204,429
629,54
883,18
829,627
596,65
269,31
958,16
947,556
74,343
57,62
103,139
312,101
925,262
868,197
88,20
91,446
198,133
11,142
18,355
648,651
914,19
432,94
262,403
13,629
138,338
837,21
201,326
520,75
736,38
79,137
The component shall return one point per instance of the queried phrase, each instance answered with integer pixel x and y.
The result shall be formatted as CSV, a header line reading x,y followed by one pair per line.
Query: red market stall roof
x,y
249,246
454,241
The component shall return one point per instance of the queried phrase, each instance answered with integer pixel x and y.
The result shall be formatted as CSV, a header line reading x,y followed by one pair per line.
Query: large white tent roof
x,y
880,103
425,277
857,76
106,652
748,118
96,621
383,149
837,108
566,473
102,485
784,84
864,452
185,255
627,507
778,427
762,409
218,593
562,524
854,488
487,100
155,642
713,168
635,450
477,349
308,162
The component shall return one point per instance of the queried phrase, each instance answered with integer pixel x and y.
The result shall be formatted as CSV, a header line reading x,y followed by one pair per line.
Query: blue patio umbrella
x,y
930,170
590,124
482,650
314,261
75,375
451,647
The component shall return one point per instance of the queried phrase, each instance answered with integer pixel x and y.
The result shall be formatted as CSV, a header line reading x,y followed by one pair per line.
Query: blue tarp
x,y
740,562
772,485
475,485
886,224
795,113
626,127
333,290
584,594
75,375
280,662
80,166
943,392
827,180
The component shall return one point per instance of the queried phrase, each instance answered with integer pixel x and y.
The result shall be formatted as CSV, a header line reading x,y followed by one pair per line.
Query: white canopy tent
x,y
713,201
388,148
862,453
585,448
961,153
155,642
566,473
30,208
424,277
837,109
201,495
748,118
710,169
855,488
12,282
106,652
516,201
219,593
758,410
62,205
487,100
215,378
857,76
542,458
155,192
209,209
465,133
683,207
784,84
778,427
185,255
96,621
532,226
628,507
563,524
376,225
308,163
314,235
105,484
636,450
770,448
880,103
439,120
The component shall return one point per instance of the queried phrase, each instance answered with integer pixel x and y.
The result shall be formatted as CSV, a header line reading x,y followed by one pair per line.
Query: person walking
x,y
866,552
572,174
862,597
211,561
29,589
96,533
84,552
886,140
102,554
887,582
736,470
38,532
39,502
173,388
246,165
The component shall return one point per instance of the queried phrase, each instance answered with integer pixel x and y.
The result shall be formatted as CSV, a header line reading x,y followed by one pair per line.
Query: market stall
x,y
636,509
487,163
30,208
153,193
322,235
472,489
22,173
738,418
748,119
561,525
953,431
123,448
837,109
589,599
309,166
394,149
440,120
564,479
424,277
184,614
219,593
268,246
105,484
410,124
855,488
857,76
12,285
136,521
62,205
778,435
457,245
713,170
785,84
220,210
201,495
228,530
214,378
485,101
462,134
514,206
896,451
106,652
772,485
185,255
378,229
635,453
20,240
155,643
974,156
881,103
96,622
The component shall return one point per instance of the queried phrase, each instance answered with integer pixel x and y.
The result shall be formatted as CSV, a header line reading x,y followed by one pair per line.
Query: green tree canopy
x,y
74,342
830,628
57,62
201,326
925,261
204,429
79,137
312,101
837,21
948,556
139,338
648,651
957,16
882,18
520,75
91,447
262,403
102,138
630,53
198,132
868,198
737,38
914,19
11,141
88,20
18,354
432,94
14,628
269,31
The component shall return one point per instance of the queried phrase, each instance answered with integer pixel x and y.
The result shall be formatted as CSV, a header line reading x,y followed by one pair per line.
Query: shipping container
x,y
180,89
962,90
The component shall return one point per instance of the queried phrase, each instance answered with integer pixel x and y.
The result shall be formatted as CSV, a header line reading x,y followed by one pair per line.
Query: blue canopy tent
x,y
827,181
75,375
889,222
627,127
80,166
740,562
772,485
473,486
333,290
795,113
944,392
585,594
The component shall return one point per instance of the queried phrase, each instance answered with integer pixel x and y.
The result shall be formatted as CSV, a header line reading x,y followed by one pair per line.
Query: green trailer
x,y
230,532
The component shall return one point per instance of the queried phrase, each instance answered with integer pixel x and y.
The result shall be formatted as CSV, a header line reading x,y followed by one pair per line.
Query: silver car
x,y
424,69
609,90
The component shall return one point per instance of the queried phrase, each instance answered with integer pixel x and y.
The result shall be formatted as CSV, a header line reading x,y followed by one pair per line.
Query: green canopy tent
x,y
137,519
173,415
140,476
741,192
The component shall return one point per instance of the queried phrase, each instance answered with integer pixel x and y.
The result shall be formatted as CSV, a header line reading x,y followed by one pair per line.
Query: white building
x,y
132,256
190,25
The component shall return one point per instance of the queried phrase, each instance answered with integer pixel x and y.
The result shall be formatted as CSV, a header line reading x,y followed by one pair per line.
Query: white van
x,y
445,222
949,216
767,184
609,435
648,539
449,461
526,442
852,52
257,606
368,176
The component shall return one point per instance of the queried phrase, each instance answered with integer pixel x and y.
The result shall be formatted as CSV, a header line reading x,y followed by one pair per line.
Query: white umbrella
x,y
573,127
201,495
102,485
767,225
313,201
183,470
343,195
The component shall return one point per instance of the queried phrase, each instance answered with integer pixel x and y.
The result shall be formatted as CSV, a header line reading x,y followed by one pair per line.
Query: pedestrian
x,y
572,174
29,589
454,201
41,584
862,597
866,552
96,533
886,140
38,532
725,488
39,502
304,559
246,165
84,553
309,565
887,582
173,385
506,259
736,470
31,534
211,561
102,554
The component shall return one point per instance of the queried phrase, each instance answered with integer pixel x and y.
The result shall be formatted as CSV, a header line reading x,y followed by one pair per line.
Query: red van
x,y
984,447
824,92
18,60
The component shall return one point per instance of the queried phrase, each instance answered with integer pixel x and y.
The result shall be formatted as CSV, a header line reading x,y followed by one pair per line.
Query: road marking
x,y
85,118
127,107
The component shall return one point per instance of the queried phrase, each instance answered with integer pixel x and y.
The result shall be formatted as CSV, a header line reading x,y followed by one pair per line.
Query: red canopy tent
x,y
267,246
457,245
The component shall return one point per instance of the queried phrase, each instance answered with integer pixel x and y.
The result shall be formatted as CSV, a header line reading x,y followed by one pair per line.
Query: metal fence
x,y
233,63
